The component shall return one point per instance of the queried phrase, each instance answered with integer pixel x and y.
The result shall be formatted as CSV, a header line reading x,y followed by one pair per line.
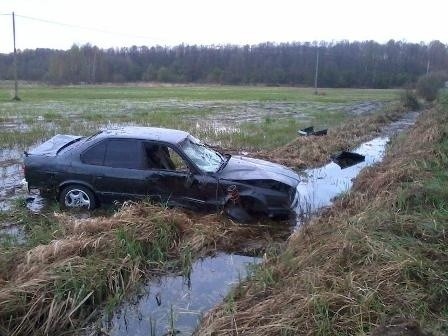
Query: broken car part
x,y
310,131
346,159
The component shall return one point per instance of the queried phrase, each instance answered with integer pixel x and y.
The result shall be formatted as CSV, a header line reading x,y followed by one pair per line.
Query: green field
x,y
230,116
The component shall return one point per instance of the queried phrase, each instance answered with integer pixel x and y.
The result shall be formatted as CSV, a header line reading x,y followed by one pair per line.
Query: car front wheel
x,y
77,197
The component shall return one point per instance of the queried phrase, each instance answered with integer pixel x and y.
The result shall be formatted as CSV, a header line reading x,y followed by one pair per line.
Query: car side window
x,y
164,157
178,162
123,153
95,154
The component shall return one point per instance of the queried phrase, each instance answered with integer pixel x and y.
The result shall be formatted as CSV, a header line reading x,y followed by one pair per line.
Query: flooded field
x,y
229,115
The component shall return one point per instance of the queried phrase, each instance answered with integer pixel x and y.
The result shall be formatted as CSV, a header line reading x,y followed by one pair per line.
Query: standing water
x,y
320,185
173,305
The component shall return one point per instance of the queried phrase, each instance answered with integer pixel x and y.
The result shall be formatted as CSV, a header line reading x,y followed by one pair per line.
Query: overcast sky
x,y
171,22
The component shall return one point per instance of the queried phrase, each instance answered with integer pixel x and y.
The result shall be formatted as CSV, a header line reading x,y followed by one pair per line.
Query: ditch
x,y
174,304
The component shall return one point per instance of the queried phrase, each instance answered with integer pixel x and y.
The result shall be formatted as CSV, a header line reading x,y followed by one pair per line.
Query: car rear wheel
x,y
77,197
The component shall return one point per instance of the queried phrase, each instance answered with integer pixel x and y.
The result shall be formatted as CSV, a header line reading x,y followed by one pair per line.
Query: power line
x,y
80,27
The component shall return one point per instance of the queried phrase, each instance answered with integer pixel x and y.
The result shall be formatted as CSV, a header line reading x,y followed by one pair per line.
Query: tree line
x,y
343,64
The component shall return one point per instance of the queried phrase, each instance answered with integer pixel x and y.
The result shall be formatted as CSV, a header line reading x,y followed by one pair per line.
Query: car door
x,y
176,179
119,174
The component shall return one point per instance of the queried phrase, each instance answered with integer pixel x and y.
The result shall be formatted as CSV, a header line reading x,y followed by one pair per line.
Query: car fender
x,y
62,185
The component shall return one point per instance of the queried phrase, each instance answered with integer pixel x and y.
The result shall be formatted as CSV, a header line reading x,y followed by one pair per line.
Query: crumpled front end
x,y
268,198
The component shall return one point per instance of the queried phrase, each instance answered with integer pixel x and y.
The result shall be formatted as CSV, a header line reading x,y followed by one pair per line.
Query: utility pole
x,y
16,95
316,72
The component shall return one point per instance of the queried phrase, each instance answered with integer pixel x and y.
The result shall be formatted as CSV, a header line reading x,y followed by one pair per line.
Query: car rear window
x,y
123,154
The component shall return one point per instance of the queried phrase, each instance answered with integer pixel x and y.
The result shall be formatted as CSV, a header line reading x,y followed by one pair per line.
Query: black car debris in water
x,y
165,165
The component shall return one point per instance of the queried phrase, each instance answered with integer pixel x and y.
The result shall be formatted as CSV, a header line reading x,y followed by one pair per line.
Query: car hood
x,y
245,168
52,146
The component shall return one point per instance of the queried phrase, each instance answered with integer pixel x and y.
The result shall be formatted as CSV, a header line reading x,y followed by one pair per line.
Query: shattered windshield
x,y
205,158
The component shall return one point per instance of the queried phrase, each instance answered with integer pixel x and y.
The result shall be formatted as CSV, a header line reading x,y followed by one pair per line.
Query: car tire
x,y
77,197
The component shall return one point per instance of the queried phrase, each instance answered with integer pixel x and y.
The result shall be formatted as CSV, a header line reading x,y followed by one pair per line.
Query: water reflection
x,y
178,302
320,185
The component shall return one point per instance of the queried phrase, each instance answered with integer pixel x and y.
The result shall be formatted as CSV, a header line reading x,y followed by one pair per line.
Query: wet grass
x,y
375,263
209,112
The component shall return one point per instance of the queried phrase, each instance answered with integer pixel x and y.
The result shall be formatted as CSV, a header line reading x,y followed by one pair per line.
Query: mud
x,y
13,186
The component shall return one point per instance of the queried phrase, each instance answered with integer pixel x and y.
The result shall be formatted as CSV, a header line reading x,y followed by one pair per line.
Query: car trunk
x,y
52,146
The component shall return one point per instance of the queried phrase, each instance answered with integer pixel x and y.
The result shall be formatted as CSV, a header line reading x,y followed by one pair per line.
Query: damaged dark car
x,y
165,165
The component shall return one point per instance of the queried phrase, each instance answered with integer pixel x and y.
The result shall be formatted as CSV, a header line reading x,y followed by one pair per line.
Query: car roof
x,y
145,133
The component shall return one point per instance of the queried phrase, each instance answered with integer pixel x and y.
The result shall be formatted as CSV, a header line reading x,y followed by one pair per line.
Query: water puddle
x,y
320,185
174,305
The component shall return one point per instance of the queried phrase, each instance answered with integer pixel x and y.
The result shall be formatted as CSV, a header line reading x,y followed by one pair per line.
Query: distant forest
x,y
343,64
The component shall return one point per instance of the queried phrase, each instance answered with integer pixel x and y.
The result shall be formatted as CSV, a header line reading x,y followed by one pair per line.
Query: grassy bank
x,y
376,262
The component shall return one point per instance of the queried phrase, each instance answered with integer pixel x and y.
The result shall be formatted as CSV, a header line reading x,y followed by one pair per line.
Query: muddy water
x,y
183,301
227,118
